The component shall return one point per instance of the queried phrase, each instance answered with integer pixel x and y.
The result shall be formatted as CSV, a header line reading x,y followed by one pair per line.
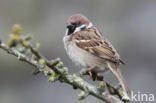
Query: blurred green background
x,y
129,24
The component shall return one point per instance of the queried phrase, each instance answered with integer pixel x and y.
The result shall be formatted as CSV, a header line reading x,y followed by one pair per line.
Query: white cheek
x,y
82,26
79,28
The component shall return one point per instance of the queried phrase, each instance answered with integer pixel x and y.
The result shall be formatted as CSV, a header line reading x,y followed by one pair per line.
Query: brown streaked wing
x,y
94,42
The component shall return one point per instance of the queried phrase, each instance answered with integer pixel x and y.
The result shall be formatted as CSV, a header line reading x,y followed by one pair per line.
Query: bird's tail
x,y
119,76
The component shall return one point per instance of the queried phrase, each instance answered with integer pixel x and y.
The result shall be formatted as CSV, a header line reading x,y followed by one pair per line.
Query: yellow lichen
x,y
16,29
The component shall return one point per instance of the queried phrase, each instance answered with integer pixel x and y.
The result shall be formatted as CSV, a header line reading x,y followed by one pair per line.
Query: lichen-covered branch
x,y
55,69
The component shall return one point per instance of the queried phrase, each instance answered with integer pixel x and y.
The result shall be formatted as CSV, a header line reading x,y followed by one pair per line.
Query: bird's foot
x,y
92,74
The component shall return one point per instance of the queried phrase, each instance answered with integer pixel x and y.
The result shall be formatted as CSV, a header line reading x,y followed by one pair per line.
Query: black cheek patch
x,y
70,31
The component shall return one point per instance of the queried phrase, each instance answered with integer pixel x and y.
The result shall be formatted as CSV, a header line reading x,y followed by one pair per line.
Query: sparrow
x,y
87,47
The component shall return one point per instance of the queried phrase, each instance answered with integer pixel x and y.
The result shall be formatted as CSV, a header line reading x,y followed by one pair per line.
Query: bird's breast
x,y
79,56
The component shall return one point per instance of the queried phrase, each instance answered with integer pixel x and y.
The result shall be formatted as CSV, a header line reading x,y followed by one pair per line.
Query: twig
x,y
65,77
55,69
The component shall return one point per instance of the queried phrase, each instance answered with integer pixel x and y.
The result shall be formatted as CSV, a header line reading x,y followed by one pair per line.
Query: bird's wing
x,y
92,41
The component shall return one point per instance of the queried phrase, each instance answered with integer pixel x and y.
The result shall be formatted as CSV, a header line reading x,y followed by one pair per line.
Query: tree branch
x,y
56,71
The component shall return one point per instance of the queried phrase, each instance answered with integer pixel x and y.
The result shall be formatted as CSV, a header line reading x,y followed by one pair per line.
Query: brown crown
x,y
78,18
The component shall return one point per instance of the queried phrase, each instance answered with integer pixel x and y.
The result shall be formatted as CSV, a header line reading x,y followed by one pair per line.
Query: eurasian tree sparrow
x,y
88,48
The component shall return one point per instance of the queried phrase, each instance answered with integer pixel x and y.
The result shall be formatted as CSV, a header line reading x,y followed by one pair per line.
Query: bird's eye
x,y
78,23
74,24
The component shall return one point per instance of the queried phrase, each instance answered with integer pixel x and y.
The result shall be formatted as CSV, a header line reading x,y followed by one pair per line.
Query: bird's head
x,y
77,22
